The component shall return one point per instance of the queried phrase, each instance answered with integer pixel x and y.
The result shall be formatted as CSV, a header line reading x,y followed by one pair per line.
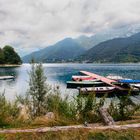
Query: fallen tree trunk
x,y
68,128
108,120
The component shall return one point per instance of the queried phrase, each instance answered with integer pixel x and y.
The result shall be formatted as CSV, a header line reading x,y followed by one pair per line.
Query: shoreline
x,y
9,65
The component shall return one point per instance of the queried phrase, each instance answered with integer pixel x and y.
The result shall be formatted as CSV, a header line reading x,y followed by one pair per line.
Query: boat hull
x,y
71,84
7,77
110,92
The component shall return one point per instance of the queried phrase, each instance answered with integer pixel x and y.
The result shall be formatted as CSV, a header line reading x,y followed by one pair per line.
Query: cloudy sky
x,y
31,24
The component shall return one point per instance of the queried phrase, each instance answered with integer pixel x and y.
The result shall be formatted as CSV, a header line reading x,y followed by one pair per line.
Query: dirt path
x,y
66,128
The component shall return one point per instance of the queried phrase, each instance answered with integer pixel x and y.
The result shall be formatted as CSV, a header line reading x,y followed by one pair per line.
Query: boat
x,y
114,77
7,77
79,84
105,89
129,81
136,85
82,78
101,84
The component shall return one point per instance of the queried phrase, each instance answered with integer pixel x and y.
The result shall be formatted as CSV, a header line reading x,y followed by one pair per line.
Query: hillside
x,y
115,50
9,56
65,50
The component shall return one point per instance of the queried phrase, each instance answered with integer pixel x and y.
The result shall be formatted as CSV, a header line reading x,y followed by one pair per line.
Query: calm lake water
x,y
58,74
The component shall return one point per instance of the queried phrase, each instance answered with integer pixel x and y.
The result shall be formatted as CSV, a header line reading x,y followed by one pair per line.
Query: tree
x,y
10,56
1,57
37,90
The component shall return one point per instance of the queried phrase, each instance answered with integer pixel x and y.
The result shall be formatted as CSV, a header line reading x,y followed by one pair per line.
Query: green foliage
x,y
1,57
123,109
61,106
9,56
88,108
8,111
37,90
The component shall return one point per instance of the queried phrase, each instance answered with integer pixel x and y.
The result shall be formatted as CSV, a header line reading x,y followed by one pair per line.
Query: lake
x,y
58,74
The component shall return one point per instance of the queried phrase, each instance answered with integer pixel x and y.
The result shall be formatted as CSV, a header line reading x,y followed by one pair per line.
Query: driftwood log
x,y
108,120
68,128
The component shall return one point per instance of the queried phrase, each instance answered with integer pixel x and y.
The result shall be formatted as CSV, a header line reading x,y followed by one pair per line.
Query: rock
x,y
50,116
23,114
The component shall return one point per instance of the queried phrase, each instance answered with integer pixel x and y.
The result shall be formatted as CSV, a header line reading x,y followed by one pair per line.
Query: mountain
x,y
89,41
115,50
65,50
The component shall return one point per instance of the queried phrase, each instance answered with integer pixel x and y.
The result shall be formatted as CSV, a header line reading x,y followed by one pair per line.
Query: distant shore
x,y
10,65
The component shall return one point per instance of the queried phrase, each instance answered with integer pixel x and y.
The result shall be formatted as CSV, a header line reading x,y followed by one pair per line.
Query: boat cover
x,y
129,81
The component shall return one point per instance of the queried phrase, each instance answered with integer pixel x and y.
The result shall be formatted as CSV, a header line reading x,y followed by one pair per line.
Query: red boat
x,y
82,78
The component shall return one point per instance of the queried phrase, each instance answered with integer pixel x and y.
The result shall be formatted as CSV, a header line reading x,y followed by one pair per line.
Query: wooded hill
x,y
9,56
115,50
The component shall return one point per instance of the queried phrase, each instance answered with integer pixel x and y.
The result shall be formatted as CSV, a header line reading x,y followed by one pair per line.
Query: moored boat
x,y
82,78
76,84
114,77
100,84
7,77
105,89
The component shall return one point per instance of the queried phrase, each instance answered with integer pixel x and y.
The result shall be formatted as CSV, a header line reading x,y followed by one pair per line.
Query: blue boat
x,y
129,81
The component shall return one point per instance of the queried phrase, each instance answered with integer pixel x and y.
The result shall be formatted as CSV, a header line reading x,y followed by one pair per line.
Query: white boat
x,y
6,77
114,77
105,89
135,85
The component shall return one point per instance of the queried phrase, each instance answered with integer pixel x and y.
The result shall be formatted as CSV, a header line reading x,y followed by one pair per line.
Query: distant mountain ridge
x,y
125,49
90,41
65,50
115,50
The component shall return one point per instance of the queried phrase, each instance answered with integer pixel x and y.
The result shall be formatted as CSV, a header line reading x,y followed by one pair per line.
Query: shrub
x,y
123,109
62,106
37,91
8,111
87,108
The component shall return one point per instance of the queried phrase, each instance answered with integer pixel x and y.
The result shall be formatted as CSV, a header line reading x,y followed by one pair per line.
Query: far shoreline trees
x,y
9,56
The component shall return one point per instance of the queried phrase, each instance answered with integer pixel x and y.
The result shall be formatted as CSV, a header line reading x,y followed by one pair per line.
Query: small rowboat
x,y
82,78
78,84
97,90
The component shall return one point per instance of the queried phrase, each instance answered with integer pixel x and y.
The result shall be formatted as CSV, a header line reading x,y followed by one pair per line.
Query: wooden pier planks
x,y
103,79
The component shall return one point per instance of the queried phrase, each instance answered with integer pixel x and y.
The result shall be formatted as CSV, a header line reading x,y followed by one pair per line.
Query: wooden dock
x,y
103,79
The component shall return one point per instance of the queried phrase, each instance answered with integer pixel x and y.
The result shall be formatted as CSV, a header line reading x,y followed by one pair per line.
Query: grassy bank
x,y
79,134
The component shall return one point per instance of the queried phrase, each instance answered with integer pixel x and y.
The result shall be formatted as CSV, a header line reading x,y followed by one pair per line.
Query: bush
x,y
38,90
123,109
8,112
87,108
63,107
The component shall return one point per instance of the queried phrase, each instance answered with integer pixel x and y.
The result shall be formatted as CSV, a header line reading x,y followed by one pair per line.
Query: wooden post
x,y
108,120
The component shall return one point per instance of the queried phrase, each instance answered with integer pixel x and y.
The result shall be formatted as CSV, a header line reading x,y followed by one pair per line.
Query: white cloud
x,y
31,24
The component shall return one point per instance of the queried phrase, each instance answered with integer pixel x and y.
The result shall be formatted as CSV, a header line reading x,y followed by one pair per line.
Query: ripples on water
x,y
58,74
